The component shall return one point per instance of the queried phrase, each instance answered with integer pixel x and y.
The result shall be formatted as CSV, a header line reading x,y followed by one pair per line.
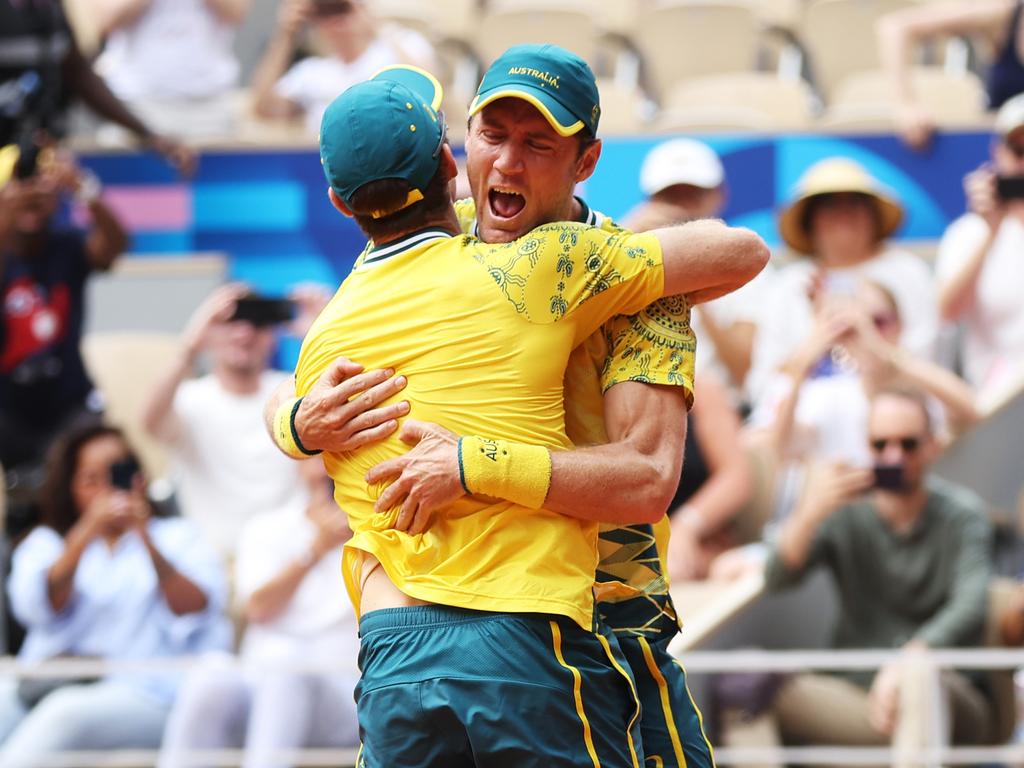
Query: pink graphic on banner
x,y
150,208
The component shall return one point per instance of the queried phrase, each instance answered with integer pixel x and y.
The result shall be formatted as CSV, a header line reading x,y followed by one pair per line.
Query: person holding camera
x,y
978,266
105,577
355,47
44,268
911,564
225,470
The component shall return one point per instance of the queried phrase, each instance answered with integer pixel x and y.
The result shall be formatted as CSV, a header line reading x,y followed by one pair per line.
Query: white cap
x,y
681,161
1011,115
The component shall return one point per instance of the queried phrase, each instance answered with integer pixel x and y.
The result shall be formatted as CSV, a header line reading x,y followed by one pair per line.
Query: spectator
x,y
225,469
911,565
286,574
839,219
35,38
357,47
43,271
684,180
978,266
997,20
105,577
172,61
715,484
825,417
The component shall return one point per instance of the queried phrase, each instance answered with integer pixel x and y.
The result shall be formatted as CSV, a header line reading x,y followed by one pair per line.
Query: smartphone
x,y
262,311
122,474
889,477
1010,187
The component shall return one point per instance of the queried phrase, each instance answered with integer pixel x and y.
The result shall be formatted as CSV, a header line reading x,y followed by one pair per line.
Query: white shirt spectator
x,y
176,49
226,469
319,624
785,317
994,324
315,82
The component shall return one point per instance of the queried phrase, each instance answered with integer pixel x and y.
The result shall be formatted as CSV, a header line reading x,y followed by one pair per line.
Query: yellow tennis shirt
x,y
654,346
483,333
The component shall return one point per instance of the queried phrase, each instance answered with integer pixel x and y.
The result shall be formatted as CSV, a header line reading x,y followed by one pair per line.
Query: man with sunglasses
x,y
910,560
978,267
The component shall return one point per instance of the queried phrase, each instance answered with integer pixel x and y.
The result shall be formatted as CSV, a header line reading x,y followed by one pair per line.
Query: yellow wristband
x,y
511,471
285,436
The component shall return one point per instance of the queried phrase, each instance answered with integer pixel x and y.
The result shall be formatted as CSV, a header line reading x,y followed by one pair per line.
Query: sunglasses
x,y
883,320
324,8
907,444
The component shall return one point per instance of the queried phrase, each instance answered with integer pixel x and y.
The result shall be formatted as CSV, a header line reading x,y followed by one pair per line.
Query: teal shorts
x,y
454,688
671,726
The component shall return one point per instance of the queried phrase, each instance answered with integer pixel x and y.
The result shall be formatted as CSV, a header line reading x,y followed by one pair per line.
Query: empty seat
x,y
502,27
840,39
689,38
623,108
867,99
768,101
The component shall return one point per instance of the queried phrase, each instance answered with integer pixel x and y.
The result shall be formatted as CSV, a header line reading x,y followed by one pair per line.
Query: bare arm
x,y
107,240
183,596
229,11
158,411
954,393
275,62
899,31
729,482
60,578
629,480
111,15
706,259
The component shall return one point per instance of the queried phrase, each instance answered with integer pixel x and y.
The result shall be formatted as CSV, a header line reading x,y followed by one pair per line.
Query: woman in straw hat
x,y
838,220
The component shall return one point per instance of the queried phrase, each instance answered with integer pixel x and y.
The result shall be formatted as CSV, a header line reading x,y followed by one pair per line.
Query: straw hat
x,y
836,174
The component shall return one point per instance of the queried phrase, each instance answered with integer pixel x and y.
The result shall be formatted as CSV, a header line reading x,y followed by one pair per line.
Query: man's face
x,y
521,172
241,346
34,203
899,436
692,201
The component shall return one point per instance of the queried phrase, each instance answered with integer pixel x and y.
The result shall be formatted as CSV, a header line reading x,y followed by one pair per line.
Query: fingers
x,y
386,470
337,372
413,431
368,436
420,520
407,514
392,496
368,390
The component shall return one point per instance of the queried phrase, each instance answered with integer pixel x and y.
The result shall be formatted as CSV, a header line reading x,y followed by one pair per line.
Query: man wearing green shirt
x,y
911,563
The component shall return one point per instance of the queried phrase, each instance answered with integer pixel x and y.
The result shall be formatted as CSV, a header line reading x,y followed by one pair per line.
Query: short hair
x,y
388,194
910,395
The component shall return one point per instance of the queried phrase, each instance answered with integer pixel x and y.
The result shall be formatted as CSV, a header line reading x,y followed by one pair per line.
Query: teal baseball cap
x,y
388,127
557,82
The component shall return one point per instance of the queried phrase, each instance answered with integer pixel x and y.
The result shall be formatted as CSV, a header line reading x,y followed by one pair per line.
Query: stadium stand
x,y
779,104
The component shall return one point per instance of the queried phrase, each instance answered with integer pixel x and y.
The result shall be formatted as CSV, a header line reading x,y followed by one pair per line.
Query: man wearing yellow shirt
x,y
483,333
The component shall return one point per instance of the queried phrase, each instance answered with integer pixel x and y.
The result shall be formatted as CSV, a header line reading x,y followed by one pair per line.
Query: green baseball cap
x,y
388,127
557,82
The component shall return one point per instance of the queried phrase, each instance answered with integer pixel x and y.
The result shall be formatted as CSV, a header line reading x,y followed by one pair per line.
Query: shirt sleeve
x,y
26,586
961,620
572,272
957,243
294,84
257,559
778,575
654,346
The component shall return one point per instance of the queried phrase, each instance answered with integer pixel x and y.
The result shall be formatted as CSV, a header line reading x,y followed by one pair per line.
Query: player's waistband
x,y
427,616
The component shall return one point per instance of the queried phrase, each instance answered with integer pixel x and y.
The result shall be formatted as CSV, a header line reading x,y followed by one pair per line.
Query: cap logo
x,y
547,78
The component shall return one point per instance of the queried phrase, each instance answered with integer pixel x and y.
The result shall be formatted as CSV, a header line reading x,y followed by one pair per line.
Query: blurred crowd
x,y
822,399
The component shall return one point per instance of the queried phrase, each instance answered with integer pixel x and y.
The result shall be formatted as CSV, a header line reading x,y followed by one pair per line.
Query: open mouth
x,y
505,204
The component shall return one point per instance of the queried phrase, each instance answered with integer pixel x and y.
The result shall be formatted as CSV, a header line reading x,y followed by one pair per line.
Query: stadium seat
x,y
690,38
866,99
522,21
780,104
622,108
839,37
437,19
125,367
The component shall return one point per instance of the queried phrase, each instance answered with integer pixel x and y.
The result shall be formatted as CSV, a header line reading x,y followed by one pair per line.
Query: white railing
x,y
694,661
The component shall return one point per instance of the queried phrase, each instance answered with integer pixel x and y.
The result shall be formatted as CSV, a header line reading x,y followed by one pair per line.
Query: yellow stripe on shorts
x,y
666,703
577,684
632,688
700,717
